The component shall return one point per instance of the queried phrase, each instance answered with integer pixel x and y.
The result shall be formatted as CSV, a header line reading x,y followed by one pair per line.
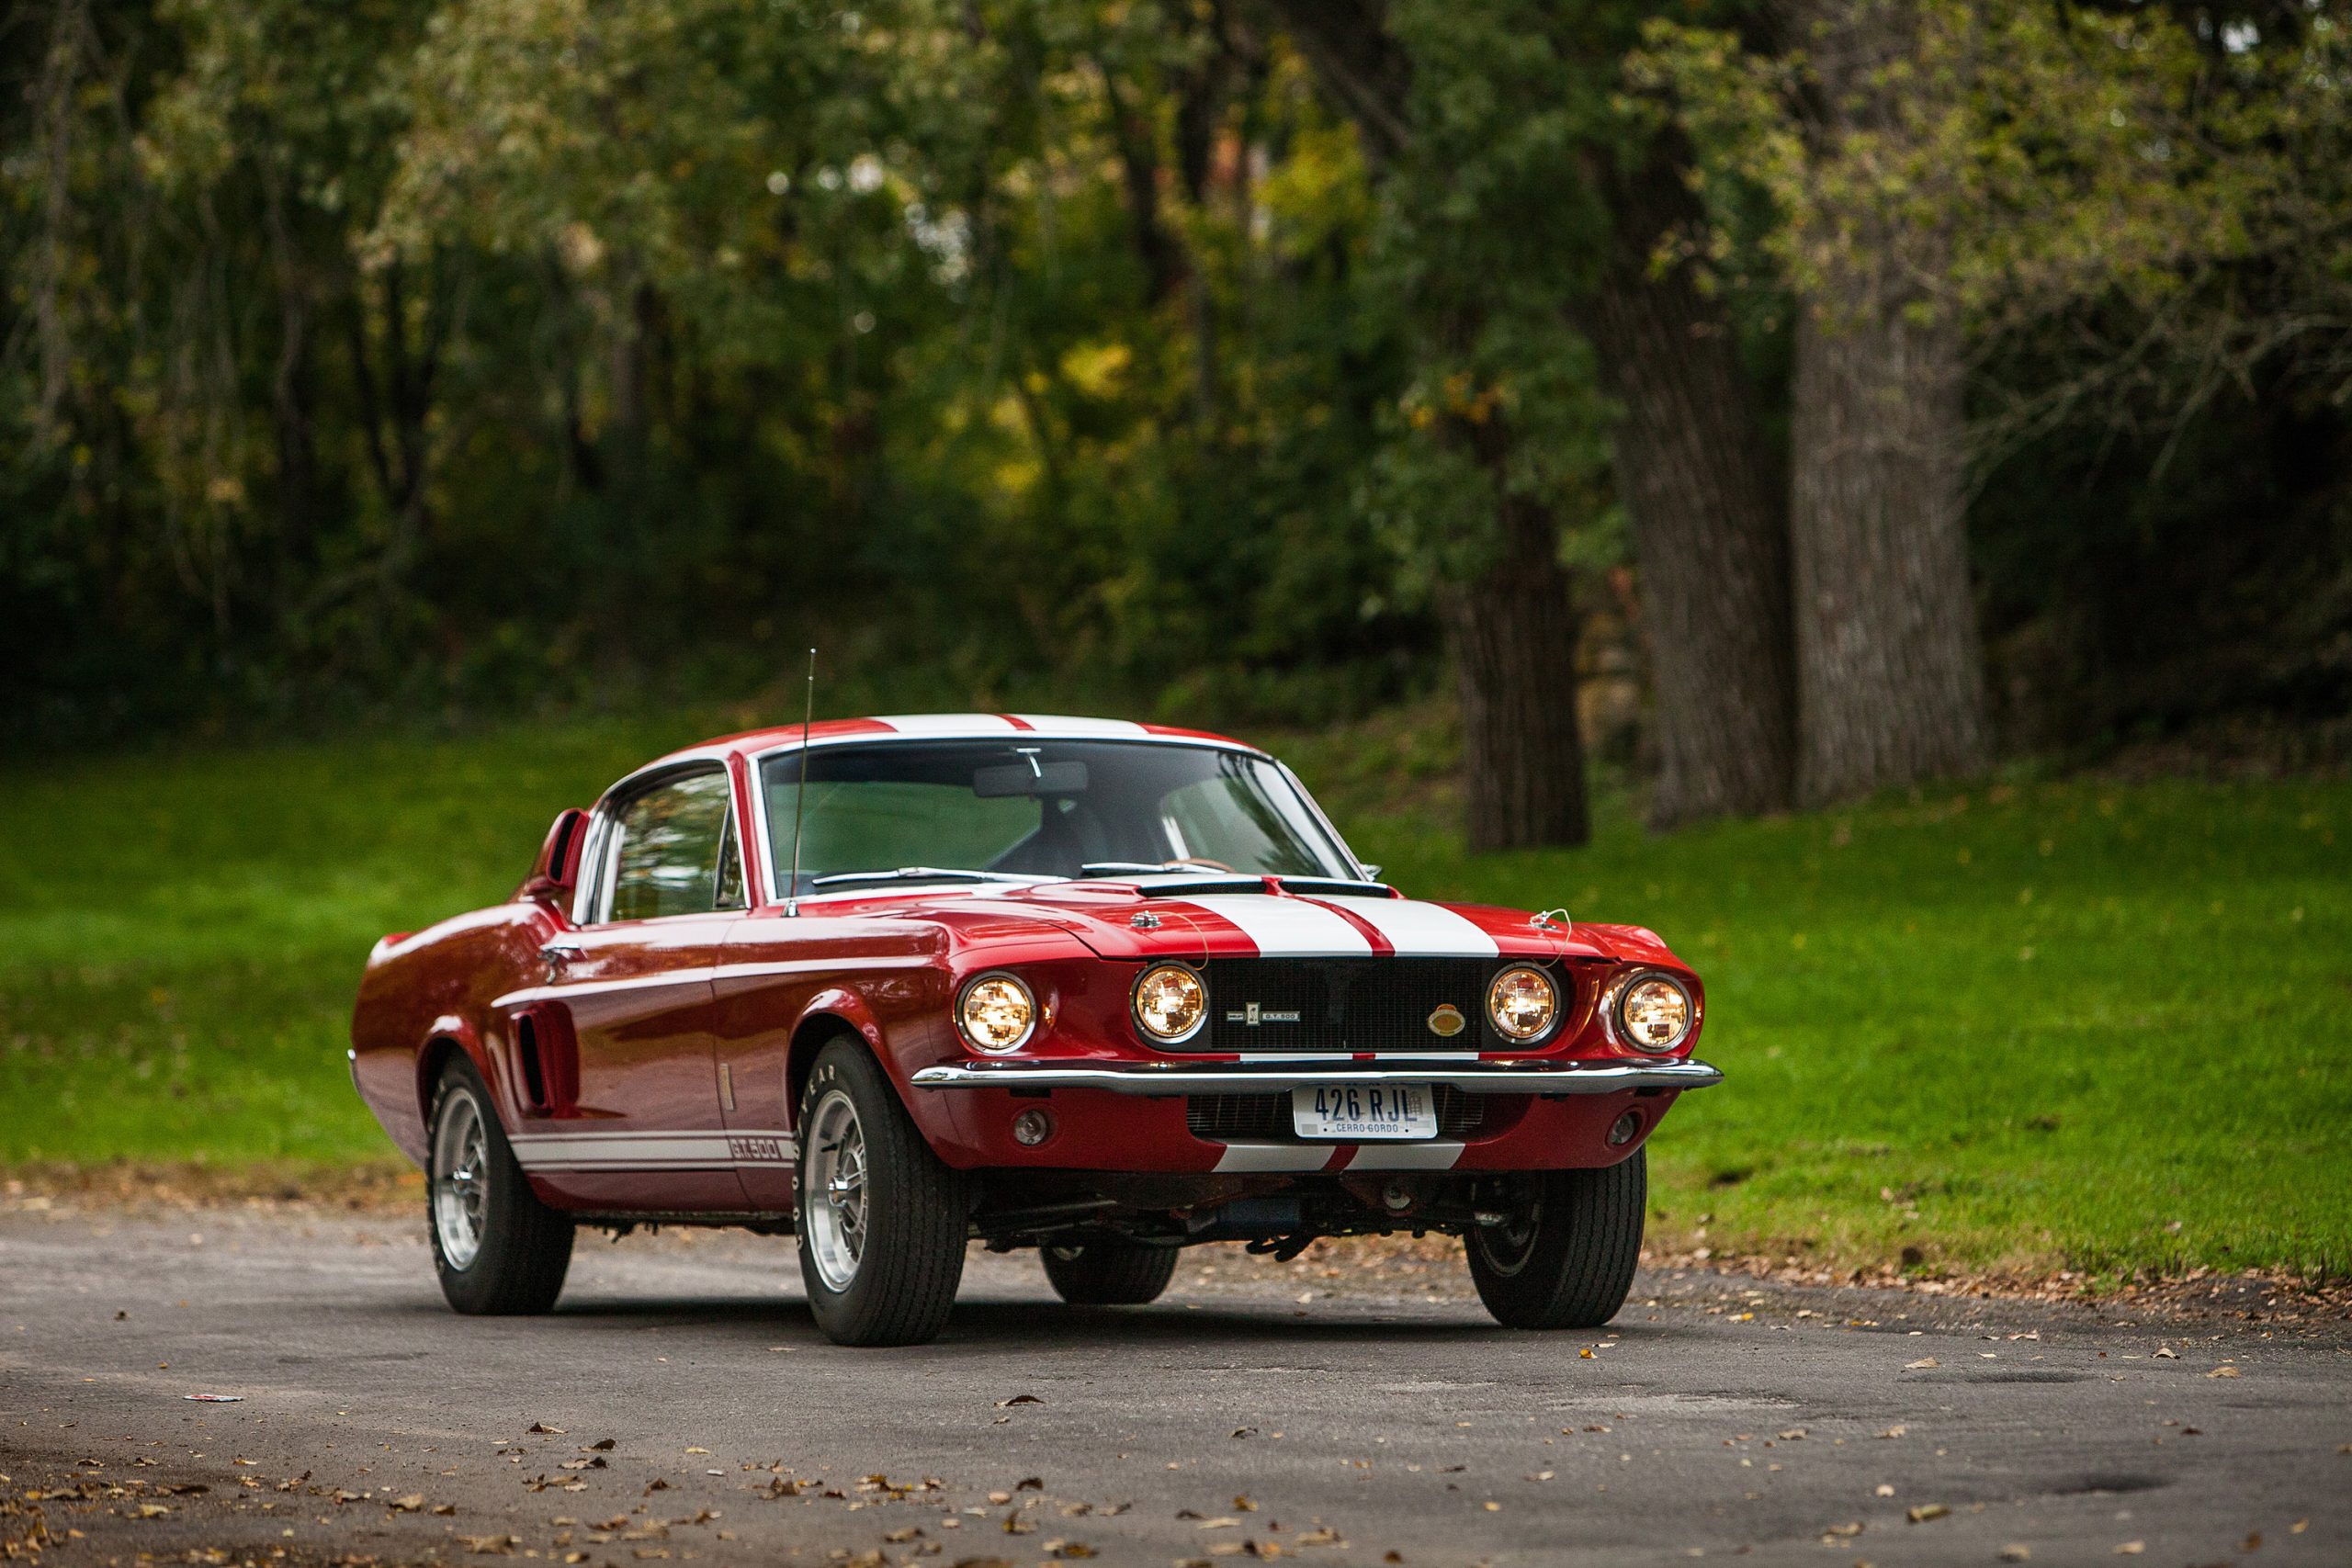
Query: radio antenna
x,y
800,796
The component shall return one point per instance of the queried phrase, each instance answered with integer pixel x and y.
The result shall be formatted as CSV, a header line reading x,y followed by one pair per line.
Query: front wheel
x,y
497,1249
1565,1257
882,1219
1111,1271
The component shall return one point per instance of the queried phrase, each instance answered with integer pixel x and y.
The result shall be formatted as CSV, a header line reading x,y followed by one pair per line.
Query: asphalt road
x,y
1257,1411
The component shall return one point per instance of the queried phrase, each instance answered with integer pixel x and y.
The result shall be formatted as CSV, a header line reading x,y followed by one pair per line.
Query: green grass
x,y
2037,1024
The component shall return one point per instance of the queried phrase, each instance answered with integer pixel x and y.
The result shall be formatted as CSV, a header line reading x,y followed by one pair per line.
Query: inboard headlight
x,y
997,1013
1171,1003
1522,1002
1653,1013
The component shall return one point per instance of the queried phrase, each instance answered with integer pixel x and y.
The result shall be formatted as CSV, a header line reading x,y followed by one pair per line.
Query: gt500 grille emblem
x,y
1254,1015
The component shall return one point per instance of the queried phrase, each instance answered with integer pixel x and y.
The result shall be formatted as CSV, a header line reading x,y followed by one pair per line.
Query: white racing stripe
x,y
1274,1157
948,724
1417,930
651,1151
1287,928
1051,725
1406,1156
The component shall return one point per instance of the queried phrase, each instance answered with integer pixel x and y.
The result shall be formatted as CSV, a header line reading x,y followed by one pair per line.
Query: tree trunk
x,y
1710,535
1890,677
1512,635
1889,674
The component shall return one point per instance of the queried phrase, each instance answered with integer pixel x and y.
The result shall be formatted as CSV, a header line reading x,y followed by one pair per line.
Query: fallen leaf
x,y
445,1510
2131,1549
1587,1354
2016,1552
2166,1353
490,1545
903,1533
540,1428
1019,1399
1922,1364
2252,1542
1244,1431
2223,1373
1883,1490
1225,1523
1029,1484
1925,1511
1000,1496
148,1510
1850,1529
409,1504
605,1445
1325,1536
1895,1432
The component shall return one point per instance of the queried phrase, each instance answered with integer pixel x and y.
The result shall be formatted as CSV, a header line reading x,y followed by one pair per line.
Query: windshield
x,y
1022,808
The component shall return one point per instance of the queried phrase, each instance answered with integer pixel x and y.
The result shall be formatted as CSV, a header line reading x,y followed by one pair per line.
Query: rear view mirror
x,y
1030,778
556,870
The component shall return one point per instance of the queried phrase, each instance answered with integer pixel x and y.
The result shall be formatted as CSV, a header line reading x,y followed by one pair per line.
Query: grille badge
x,y
1254,1015
1447,1021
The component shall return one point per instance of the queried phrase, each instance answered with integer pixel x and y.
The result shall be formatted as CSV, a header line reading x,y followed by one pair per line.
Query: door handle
x,y
556,954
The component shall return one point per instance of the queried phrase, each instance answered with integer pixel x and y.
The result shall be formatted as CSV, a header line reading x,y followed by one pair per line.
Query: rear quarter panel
x,y
432,986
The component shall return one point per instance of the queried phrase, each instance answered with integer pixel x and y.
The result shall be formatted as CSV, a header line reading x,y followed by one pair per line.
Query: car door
x,y
640,1126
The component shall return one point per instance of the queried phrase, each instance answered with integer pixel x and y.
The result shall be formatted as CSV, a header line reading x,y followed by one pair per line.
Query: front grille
x,y
1223,1118
1348,1004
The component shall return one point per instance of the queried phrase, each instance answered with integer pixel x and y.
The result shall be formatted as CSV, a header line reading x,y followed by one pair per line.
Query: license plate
x,y
1363,1113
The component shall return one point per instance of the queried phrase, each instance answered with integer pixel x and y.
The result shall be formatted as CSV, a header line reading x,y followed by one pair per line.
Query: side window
x,y
665,852
730,868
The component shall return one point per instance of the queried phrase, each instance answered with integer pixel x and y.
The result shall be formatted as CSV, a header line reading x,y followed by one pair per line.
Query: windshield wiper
x,y
923,874
1100,868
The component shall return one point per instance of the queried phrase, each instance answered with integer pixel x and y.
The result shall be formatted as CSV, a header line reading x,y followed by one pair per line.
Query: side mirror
x,y
556,870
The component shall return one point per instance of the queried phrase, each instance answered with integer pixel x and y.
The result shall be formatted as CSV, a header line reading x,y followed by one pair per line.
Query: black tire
x,y
1569,1261
897,1283
1109,1272
522,1248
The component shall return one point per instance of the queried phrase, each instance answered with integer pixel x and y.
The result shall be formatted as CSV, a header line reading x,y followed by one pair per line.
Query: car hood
x,y
1225,917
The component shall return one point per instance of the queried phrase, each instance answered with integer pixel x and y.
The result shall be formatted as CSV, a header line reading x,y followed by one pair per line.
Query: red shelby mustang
x,y
1101,988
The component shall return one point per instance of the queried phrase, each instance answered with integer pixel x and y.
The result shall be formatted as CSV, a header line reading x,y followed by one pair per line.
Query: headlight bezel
x,y
1622,993
1551,1018
1135,1003
963,1002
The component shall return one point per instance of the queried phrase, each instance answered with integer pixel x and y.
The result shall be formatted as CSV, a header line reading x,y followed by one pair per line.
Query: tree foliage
x,y
1225,357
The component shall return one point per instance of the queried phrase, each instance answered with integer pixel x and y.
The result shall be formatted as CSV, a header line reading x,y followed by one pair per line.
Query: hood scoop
x,y
1195,884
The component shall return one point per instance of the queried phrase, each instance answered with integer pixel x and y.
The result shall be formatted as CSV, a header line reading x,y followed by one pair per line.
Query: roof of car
x,y
953,727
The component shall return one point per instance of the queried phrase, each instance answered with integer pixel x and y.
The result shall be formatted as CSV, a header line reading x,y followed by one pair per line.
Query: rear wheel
x,y
496,1247
1112,1271
882,1219
1565,1258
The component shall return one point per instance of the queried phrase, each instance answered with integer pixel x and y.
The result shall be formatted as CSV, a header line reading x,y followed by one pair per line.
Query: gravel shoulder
x,y
1355,1406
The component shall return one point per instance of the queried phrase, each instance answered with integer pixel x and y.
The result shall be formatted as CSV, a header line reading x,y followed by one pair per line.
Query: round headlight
x,y
1171,1003
996,1013
1522,1002
1653,1013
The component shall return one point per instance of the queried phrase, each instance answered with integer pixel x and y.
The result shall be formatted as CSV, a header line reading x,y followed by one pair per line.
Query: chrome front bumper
x,y
1240,1077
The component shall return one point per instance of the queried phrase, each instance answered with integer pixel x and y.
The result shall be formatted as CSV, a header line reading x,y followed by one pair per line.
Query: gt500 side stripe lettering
x,y
650,1151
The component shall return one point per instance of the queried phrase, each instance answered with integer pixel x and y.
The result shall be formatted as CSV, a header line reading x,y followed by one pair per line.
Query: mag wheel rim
x,y
832,1190
460,1181
1507,1246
